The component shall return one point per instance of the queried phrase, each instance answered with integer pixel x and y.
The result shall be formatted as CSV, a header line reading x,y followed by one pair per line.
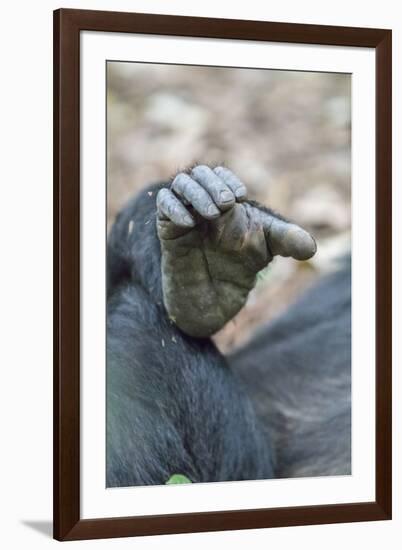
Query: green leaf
x,y
177,478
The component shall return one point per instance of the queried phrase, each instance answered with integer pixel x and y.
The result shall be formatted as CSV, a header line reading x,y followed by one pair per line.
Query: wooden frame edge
x,y
67,523
66,246
384,272
223,521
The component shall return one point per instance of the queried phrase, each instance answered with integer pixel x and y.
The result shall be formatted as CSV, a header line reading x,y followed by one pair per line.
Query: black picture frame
x,y
68,24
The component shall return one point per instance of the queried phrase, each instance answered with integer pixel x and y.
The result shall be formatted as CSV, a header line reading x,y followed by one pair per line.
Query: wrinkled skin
x,y
213,244
278,407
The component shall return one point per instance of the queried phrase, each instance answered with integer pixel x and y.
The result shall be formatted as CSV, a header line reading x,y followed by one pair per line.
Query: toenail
x,y
226,196
212,210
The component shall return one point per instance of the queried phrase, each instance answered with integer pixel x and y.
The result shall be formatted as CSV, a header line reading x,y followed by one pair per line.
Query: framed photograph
x,y
222,274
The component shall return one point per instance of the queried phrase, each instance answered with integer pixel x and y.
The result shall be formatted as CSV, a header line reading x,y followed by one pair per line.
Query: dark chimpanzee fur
x,y
279,407
173,403
297,370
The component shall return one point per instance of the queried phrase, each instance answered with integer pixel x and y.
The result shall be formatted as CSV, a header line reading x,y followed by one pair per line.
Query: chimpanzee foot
x,y
214,243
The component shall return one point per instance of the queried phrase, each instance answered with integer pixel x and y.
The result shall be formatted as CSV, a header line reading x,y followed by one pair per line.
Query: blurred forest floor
x,y
286,134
